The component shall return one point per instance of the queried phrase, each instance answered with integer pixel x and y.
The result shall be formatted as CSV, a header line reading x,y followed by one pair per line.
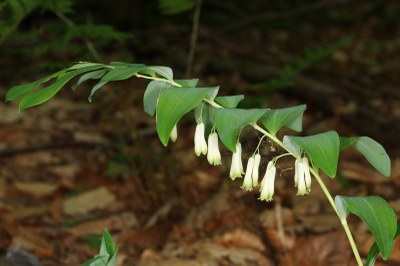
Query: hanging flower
x,y
307,175
236,166
248,181
296,172
213,155
267,187
174,134
302,176
254,176
200,144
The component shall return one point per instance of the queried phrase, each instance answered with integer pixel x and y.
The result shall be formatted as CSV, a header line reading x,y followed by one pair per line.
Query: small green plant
x,y
219,119
107,254
61,31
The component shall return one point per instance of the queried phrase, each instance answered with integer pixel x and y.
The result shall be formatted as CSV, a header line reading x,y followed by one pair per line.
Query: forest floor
x,y
69,169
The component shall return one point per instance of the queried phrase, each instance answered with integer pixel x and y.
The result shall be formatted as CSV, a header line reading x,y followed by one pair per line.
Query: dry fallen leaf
x,y
88,201
241,238
319,223
268,218
359,172
116,222
204,253
328,249
37,189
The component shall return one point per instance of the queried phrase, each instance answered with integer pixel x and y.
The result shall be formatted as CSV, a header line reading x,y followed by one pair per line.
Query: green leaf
x,y
323,150
162,71
292,146
20,91
188,83
45,94
98,260
173,104
111,261
229,101
229,123
122,72
84,64
372,151
346,142
375,154
107,246
374,251
97,74
376,213
151,95
291,117
95,88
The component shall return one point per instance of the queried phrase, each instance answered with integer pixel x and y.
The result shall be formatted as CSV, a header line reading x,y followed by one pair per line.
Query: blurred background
x,y
69,168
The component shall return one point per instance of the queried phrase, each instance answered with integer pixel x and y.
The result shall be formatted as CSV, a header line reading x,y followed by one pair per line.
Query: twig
x,y
48,146
70,145
88,43
279,223
193,39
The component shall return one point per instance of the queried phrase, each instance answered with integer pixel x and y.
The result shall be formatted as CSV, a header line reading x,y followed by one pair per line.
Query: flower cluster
x,y
201,146
302,177
251,176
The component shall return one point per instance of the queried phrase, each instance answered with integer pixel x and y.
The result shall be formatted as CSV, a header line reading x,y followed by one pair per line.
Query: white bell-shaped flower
x,y
307,174
254,176
236,166
174,134
301,182
296,172
248,180
200,144
267,187
213,155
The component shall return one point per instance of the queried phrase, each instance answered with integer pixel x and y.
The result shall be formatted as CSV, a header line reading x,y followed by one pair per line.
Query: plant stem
x,y
343,221
193,39
159,79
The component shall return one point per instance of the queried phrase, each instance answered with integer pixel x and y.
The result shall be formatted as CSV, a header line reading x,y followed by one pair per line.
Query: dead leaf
x,y
92,137
88,201
65,171
320,223
122,221
328,249
268,218
9,114
306,205
241,238
37,189
359,172
204,253
279,243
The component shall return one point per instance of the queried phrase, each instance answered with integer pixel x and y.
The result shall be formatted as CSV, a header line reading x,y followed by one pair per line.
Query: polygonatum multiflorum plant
x,y
219,120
